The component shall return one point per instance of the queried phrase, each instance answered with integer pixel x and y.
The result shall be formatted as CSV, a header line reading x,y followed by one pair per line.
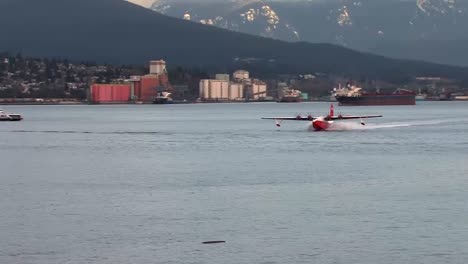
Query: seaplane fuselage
x,y
321,123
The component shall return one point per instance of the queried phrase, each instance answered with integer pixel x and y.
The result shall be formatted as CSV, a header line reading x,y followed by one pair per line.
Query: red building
x,y
110,93
146,87
139,88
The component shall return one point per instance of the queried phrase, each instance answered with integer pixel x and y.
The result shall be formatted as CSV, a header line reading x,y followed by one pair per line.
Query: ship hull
x,y
290,100
162,101
12,118
390,99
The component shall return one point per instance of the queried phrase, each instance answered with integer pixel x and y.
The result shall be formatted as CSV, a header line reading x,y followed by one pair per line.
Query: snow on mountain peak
x,y
435,6
344,18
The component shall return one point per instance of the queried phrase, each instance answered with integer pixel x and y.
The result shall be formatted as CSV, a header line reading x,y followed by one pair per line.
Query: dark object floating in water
x,y
214,242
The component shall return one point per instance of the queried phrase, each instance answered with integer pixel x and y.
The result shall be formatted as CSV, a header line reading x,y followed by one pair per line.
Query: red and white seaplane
x,y
321,123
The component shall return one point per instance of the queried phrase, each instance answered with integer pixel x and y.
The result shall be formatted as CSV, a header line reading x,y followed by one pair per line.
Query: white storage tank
x,y
241,91
235,91
214,88
158,67
259,89
240,75
217,88
224,77
225,90
262,90
205,89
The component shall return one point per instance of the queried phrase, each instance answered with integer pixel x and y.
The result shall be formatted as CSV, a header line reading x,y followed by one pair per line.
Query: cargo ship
x,y
354,96
290,96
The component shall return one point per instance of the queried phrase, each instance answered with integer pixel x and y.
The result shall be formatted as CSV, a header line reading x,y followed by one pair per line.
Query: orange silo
x,y
110,93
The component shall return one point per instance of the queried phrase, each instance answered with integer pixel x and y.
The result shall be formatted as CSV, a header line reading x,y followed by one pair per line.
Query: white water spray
x,y
346,126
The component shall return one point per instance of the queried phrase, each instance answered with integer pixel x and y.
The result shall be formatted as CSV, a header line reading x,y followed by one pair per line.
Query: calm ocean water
x,y
148,184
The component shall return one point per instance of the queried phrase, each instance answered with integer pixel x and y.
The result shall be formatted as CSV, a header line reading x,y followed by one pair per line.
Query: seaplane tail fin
x,y
332,110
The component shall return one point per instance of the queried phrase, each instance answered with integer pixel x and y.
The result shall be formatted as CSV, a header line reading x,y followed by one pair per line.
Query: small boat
x,y
163,98
9,117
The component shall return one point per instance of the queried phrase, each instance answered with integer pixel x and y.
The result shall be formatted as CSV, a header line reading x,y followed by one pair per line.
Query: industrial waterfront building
x,y
110,93
241,88
141,89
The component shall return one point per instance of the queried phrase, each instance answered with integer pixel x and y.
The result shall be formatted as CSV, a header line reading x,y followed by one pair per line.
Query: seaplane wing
x,y
340,117
321,122
291,118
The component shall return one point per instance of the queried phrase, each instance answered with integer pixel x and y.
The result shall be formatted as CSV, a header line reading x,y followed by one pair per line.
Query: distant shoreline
x,y
30,103
177,103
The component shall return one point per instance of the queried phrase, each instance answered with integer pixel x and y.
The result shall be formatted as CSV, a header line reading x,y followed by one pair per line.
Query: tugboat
x,y
163,98
10,117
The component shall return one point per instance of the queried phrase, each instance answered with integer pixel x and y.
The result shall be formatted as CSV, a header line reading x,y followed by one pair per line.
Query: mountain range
x,y
116,31
430,30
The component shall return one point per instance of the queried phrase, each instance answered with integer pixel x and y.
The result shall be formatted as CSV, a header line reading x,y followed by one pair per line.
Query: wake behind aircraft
x,y
321,123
